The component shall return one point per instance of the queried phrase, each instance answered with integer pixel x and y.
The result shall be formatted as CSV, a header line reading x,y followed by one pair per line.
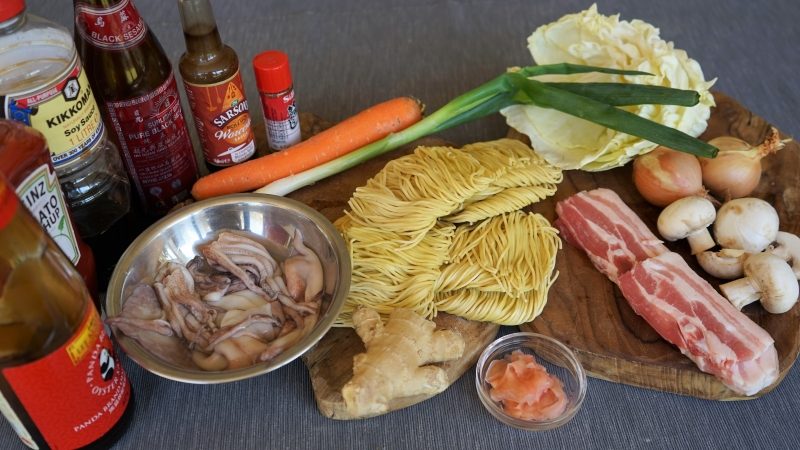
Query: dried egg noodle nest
x,y
441,230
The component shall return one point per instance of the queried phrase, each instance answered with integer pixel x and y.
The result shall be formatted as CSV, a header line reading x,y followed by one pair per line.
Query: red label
x,y
114,28
77,393
281,120
8,203
156,146
223,120
278,107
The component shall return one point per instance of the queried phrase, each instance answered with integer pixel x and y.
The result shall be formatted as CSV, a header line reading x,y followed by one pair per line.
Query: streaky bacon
x,y
685,310
610,233
681,306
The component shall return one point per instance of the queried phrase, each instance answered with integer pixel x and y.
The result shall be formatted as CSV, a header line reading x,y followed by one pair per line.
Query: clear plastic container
x,y
45,87
556,357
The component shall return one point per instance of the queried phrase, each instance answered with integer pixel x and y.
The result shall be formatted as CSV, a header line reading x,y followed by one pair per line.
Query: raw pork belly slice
x,y
686,311
658,284
610,233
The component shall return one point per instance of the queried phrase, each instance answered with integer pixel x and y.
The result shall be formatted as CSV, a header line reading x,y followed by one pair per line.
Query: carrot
x,y
370,125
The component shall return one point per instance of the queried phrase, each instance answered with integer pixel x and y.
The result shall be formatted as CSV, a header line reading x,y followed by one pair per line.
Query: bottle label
x,y
281,119
65,112
115,28
41,194
77,393
156,146
223,121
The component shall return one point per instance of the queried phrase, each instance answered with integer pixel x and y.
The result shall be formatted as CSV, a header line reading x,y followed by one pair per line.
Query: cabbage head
x,y
593,39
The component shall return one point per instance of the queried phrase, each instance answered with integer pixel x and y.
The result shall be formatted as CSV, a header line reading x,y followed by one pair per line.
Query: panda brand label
x,y
65,111
41,194
75,394
222,118
114,28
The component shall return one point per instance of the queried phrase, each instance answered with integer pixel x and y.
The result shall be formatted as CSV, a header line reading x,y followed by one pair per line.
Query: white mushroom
x,y
725,264
688,218
769,279
787,246
748,224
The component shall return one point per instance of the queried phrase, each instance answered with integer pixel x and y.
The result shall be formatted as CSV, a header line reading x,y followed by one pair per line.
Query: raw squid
x,y
232,307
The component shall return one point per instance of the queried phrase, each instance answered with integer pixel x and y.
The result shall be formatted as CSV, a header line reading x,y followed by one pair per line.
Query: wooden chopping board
x,y
330,362
587,312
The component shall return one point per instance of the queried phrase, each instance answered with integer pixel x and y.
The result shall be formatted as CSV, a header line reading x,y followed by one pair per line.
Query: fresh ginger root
x,y
394,365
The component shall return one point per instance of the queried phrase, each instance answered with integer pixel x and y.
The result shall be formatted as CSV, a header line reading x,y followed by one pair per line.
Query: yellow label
x,y
85,338
65,111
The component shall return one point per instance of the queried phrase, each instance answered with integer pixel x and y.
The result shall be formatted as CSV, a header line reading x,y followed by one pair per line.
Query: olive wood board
x,y
587,312
330,361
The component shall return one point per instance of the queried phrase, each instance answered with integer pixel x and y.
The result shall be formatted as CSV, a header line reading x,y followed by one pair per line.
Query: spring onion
x,y
595,102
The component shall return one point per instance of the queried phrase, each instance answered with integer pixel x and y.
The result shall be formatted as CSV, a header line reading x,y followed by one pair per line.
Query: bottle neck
x,y
203,41
199,27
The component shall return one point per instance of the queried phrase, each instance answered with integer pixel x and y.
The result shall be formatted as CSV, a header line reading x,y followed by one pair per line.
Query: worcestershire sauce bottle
x,y
61,385
210,72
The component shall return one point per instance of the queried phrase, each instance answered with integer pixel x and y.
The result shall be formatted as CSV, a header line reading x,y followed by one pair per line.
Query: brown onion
x,y
663,176
736,170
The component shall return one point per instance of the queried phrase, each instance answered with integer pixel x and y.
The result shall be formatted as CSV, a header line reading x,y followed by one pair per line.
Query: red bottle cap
x,y
10,8
272,71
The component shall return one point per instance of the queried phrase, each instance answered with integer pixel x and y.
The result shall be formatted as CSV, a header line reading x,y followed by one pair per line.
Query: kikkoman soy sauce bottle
x,y
44,85
137,91
61,385
210,72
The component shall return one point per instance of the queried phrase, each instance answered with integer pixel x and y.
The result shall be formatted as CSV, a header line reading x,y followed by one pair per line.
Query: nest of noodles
x,y
441,230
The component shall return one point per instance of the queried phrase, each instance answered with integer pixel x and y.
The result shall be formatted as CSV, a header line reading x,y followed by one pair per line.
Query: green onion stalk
x,y
595,102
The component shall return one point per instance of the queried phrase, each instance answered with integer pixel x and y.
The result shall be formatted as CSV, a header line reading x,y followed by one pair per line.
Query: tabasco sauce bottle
x,y
136,88
210,72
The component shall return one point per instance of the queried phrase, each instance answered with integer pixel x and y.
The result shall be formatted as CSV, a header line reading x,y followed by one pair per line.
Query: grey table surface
x,y
349,54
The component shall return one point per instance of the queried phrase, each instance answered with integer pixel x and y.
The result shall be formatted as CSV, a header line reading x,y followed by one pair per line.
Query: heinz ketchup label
x,y
114,28
156,146
223,121
75,394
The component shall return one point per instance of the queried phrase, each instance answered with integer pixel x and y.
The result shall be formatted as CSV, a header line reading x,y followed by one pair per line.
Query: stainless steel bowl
x,y
175,238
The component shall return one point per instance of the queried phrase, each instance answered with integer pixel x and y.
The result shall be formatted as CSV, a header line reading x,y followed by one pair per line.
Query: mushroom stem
x,y
700,241
741,292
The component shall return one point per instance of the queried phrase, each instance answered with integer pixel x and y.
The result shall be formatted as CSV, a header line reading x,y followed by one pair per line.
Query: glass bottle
x,y
25,161
138,94
43,84
214,88
61,385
